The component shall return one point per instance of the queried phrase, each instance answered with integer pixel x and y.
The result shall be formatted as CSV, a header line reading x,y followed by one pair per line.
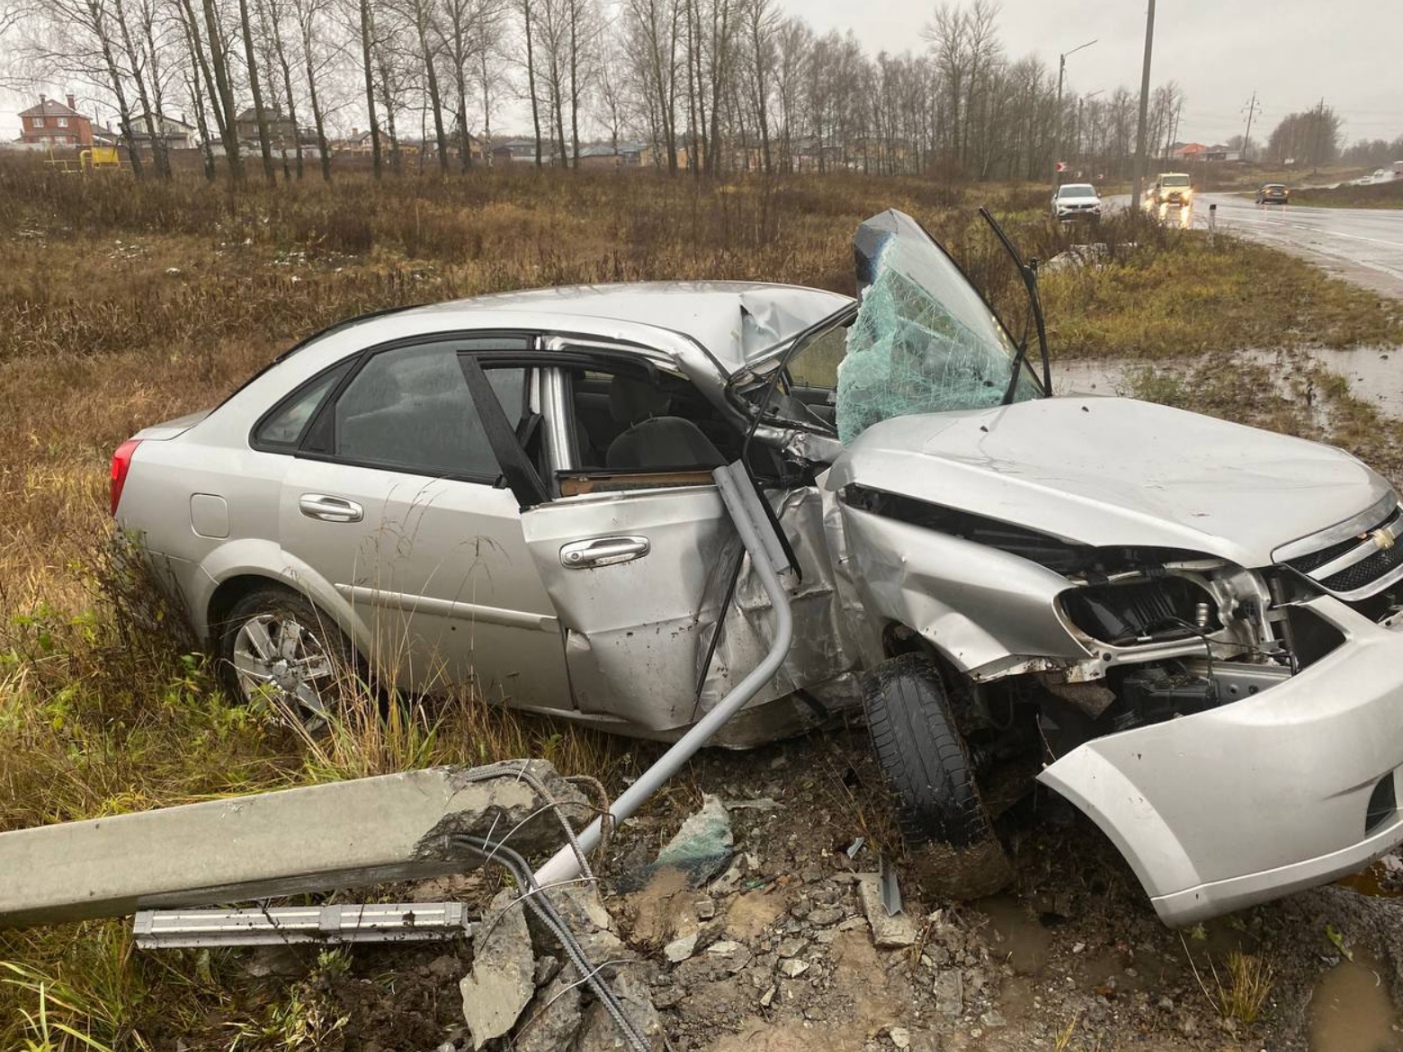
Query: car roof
x,y
735,321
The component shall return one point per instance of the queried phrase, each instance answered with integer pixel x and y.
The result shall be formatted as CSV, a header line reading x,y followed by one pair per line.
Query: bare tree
x,y
260,114
762,20
421,15
272,19
367,33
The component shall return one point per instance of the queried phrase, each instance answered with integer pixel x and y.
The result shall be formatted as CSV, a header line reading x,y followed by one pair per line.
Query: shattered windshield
x,y
924,341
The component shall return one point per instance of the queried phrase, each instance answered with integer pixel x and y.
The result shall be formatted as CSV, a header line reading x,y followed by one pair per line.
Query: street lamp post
x,y
1144,108
1057,116
1081,101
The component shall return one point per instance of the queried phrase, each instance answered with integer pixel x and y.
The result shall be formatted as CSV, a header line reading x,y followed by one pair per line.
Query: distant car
x,y
1274,194
1076,199
1171,188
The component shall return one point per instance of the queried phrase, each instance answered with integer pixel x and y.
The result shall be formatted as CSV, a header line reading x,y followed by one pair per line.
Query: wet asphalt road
x,y
1362,244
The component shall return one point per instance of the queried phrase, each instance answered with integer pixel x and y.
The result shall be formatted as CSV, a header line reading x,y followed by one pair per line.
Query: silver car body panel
x,y
977,606
638,631
1116,472
1286,775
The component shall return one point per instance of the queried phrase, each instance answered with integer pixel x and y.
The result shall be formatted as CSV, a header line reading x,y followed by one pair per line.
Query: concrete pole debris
x,y
316,838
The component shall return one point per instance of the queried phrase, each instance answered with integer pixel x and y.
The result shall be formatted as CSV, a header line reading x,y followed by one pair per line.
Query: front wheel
x,y
923,754
276,647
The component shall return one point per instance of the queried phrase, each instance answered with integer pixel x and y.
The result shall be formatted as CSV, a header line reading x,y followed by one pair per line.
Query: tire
x,y
923,754
276,647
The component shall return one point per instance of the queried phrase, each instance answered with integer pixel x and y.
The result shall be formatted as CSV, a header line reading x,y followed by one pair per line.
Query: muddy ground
x,y
1070,956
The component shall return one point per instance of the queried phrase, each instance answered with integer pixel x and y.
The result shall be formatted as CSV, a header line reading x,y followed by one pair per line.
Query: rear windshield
x,y
1174,180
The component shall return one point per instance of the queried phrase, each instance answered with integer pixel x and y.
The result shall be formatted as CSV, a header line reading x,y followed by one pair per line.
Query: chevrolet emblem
x,y
1383,540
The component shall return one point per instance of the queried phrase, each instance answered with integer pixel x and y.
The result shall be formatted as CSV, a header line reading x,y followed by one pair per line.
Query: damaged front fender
x,y
976,605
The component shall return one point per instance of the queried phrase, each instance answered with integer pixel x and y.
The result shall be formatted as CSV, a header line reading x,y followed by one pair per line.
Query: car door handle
x,y
330,509
603,551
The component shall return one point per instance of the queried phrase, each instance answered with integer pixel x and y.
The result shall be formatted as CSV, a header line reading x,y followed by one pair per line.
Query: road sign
x,y
1061,166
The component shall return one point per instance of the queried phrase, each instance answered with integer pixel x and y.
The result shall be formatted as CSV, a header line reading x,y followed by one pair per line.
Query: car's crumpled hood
x,y
1114,471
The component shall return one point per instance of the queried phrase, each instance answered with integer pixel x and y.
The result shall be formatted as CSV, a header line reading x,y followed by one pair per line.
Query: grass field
x,y
1377,195
123,305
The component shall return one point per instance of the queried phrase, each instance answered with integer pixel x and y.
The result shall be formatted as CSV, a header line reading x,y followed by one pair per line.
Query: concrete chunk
x,y
503,979
888,931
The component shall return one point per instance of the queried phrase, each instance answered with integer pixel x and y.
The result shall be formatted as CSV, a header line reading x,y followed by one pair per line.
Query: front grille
x,y
1372,559
1307,563
1365,572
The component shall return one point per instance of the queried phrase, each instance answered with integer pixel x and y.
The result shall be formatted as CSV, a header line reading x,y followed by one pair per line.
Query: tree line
x,y
710,86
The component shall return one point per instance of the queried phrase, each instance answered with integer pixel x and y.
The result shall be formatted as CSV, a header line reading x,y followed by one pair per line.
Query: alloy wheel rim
x,y
276,657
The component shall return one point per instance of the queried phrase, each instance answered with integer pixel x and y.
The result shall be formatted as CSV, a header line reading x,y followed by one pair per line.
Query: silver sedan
x,y
1190,627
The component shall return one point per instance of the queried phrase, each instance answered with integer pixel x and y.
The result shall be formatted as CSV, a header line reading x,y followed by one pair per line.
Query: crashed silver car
x,y
1191,627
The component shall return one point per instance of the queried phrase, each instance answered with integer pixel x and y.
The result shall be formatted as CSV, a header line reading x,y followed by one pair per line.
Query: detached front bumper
x,y
1287,789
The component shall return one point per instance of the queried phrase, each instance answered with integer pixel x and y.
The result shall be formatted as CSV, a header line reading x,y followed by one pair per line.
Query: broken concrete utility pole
x,y
321,837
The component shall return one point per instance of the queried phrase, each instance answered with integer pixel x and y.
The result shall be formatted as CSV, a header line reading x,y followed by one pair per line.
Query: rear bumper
x,y
1260,797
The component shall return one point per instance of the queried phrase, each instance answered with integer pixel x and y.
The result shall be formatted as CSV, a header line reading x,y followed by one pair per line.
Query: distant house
x,y
176,134
522,151
635,154
600,155
52,123
1189,151
281,129
1221,153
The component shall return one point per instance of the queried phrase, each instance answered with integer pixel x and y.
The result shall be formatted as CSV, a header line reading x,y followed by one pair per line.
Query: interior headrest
x,y
632,401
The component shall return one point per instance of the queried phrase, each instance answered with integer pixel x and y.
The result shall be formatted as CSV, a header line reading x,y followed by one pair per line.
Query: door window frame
x,y
568,479
316,444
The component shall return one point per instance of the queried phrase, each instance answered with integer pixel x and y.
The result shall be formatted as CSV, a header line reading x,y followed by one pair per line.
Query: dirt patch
x,y
758,1036
752,913
662,909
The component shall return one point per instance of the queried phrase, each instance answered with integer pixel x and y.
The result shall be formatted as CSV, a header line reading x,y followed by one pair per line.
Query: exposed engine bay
x,y
1166,634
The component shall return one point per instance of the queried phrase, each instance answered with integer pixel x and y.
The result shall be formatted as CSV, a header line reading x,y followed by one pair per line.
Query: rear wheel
x,y
276,647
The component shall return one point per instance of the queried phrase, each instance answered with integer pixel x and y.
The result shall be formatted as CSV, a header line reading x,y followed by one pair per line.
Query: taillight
x,y
121,464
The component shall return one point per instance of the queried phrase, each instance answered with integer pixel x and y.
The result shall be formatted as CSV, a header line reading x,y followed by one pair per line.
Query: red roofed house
x,y
55,124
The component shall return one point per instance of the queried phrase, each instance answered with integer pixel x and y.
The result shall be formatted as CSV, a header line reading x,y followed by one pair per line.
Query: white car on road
x,y
1076,199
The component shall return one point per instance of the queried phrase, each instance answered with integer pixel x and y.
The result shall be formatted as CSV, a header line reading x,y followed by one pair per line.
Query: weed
x,y
1241,994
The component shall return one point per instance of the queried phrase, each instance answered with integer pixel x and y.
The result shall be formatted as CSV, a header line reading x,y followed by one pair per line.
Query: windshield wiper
x,y
1030,282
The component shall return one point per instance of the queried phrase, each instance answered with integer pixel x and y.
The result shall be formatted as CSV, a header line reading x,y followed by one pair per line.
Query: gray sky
x,y
1290,51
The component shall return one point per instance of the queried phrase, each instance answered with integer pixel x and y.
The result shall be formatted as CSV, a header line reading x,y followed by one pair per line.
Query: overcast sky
x,y
1291,52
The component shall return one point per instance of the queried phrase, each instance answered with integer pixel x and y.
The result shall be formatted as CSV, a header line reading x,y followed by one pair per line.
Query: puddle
x,y
1374,375
1016,934
1350,1010
1382,880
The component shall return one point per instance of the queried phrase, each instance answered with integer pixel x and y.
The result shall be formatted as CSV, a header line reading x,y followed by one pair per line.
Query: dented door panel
x,y
632,628
827,617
